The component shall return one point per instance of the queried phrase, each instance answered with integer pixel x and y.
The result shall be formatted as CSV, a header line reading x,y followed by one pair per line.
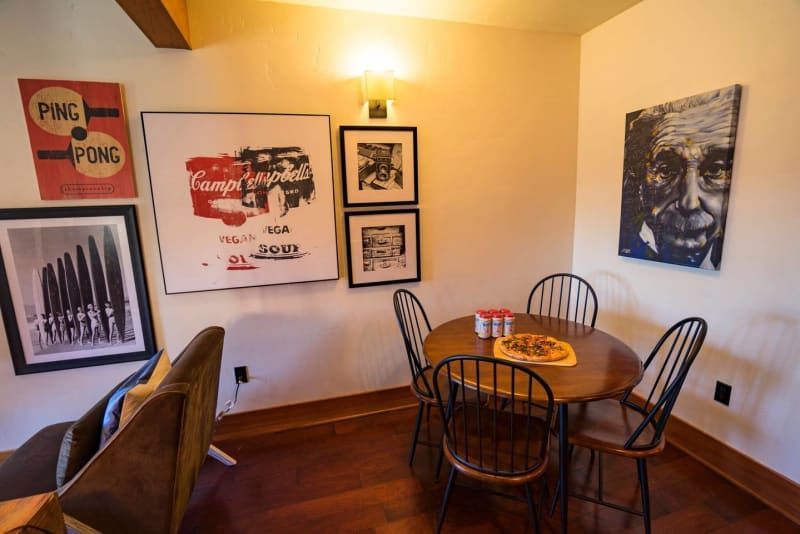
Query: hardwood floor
x,y
352,476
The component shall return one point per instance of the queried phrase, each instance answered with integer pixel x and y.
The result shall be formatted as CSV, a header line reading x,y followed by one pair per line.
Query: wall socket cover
x,y
241,375
722,393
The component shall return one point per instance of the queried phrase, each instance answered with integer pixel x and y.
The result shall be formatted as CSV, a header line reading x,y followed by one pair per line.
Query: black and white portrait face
x,y
680,155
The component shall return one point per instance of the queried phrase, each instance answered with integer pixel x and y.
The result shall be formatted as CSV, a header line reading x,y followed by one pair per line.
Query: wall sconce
x,y
379,88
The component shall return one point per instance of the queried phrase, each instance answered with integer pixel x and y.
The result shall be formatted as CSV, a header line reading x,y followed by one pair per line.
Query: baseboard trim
x,y
270,420
763,483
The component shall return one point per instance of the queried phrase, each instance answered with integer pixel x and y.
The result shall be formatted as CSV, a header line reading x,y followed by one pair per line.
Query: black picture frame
x,y
359,187
118,279
374,260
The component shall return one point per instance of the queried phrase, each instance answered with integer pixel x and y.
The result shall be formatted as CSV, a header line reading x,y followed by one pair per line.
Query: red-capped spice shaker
x,y
508,324
497,325
504,310
478,319
485,326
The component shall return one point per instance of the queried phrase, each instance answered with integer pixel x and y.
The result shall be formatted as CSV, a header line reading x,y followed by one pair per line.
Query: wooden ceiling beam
x,y
164,22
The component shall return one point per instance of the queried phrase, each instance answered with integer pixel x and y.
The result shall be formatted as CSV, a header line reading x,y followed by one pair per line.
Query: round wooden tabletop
x,y
606,366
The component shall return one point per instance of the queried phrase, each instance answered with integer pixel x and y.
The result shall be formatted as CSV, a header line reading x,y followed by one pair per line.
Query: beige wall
x,y
661,50
497,118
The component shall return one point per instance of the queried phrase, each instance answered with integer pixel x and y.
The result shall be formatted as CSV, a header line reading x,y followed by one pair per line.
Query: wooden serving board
x,y
570,361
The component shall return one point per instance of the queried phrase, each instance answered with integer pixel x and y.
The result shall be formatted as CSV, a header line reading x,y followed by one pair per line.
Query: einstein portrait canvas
x,y
676,179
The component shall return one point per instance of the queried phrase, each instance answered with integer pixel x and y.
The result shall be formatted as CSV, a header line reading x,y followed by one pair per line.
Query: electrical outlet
x,y
723,393
241,375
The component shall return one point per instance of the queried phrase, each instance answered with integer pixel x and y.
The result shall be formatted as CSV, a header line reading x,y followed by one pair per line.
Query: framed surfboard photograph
x,y
72,288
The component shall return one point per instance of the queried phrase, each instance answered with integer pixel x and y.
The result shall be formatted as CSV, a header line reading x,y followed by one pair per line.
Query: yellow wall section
x,y
497,117
658,51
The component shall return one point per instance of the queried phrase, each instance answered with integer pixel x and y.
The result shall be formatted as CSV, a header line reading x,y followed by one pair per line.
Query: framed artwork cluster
x,y
379,170
72,286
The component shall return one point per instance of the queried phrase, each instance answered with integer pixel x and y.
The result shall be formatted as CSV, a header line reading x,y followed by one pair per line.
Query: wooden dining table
x,y
606,367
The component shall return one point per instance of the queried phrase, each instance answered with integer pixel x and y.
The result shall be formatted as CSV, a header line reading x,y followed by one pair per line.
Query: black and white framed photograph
x,y
242,199
383,247
379,165
676,179
72,288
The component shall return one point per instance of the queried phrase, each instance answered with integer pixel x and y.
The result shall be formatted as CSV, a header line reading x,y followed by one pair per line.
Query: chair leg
x,y
416,433
553,504
599,475
641,464
450,483
544,493
439,463
534,516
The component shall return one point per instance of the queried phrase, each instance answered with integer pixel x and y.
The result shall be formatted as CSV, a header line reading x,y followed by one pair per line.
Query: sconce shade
x,y
380,85
378,88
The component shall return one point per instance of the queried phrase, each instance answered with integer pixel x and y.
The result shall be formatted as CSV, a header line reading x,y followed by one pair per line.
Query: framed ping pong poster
x,y
79,139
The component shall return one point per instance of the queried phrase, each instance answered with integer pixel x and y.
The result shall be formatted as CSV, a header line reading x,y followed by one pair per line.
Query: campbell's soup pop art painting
x,y
79,139
241,199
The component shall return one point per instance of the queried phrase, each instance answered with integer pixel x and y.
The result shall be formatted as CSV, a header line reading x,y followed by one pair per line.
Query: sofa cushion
x,y
80,442
29,470
136,396
113,410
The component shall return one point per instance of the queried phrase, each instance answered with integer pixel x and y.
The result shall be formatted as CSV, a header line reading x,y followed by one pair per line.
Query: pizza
x,y
534,348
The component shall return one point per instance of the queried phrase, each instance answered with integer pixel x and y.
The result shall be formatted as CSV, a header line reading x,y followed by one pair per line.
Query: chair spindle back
x,y
677,349
414,327
502,439
566,296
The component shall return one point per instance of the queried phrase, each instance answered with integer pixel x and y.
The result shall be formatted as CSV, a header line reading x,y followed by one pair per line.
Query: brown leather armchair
x,y
141,480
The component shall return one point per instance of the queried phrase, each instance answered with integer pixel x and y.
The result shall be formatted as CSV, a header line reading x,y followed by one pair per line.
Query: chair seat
x,y
419,389
425,393
606,425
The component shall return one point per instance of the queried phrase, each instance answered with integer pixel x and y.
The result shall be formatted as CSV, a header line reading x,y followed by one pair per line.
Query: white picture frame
x,y
241,199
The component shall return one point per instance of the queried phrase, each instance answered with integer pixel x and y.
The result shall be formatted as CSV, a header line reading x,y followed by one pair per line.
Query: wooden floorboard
x,y
352,476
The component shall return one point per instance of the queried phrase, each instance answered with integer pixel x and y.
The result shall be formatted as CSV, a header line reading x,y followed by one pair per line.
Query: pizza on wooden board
x,y
533,348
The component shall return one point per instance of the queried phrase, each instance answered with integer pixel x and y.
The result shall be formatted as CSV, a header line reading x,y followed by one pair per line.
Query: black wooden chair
x,y
414,327
565,296
633,428
484,441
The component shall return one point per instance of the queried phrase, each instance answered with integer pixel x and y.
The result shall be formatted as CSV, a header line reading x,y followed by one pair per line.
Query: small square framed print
x,y
382,247
379,165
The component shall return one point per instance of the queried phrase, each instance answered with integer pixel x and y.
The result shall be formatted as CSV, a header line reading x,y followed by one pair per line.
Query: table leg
x,y
563,462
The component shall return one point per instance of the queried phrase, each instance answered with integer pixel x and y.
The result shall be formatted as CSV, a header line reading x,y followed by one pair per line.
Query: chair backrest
x,y
677,349
493,432
141,480
414,327
566,296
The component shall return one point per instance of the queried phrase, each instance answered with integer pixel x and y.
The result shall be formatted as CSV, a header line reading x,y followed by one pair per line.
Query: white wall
x,y
497,117
658,51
